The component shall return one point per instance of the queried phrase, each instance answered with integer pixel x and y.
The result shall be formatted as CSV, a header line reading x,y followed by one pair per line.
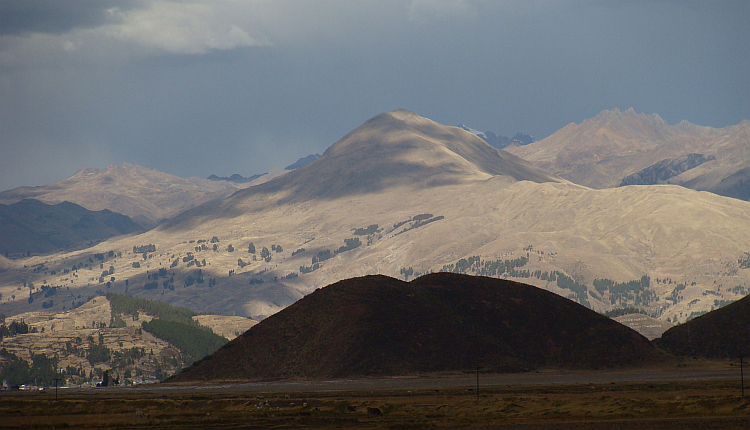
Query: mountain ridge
x,y
253,179
601,151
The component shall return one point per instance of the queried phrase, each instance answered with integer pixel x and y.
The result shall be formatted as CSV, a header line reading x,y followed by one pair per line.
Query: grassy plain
x,y
699,404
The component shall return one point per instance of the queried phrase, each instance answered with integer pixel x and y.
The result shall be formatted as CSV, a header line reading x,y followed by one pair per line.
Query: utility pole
x,y
56,379
477,382
742,376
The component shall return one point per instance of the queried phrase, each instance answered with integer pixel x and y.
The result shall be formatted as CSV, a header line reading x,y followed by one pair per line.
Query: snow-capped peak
x,y
471,130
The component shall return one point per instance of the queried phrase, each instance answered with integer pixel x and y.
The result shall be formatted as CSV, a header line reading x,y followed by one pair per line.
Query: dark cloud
x,y
45,16
242,87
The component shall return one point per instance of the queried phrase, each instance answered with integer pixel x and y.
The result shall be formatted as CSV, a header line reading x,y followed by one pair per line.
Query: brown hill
x,y
376,325
723,333
147,196
602,151
397,150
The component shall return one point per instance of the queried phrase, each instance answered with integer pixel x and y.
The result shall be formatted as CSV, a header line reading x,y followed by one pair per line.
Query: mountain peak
x,y
401,148
630,114
608,114
404,115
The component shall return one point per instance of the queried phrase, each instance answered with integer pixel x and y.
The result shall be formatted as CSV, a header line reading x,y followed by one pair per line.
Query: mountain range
x,y
147,196
402,195
614,148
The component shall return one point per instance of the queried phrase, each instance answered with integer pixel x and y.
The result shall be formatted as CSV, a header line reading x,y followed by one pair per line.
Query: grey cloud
x,y
329,65
56,17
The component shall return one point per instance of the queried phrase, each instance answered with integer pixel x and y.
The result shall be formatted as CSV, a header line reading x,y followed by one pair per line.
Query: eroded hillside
x,y
126,337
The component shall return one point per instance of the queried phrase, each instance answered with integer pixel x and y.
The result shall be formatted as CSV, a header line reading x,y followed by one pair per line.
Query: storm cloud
x,y
195,88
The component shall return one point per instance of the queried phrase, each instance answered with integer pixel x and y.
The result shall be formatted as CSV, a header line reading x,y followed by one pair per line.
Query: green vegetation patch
x,y
16,371
144,249
126,305
172,324
193,341
614,313
487,268
579,290
635,291
14,328
416,222
371,229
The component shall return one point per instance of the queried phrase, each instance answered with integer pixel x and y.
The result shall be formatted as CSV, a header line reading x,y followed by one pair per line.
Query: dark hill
x,y
722,333
36,227
377,325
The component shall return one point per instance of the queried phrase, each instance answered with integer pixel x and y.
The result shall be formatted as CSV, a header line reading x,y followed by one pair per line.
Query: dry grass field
x,y
690,404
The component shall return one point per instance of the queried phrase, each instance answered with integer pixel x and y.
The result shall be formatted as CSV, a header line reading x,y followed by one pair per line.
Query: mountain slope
x,y
378,325
600,152
145,195
35,227
402,195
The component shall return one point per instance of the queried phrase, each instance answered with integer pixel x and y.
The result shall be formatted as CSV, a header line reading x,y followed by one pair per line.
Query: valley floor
x,y
708,399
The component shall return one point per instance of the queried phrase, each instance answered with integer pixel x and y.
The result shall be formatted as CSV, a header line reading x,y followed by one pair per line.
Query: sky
x,y
194,88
